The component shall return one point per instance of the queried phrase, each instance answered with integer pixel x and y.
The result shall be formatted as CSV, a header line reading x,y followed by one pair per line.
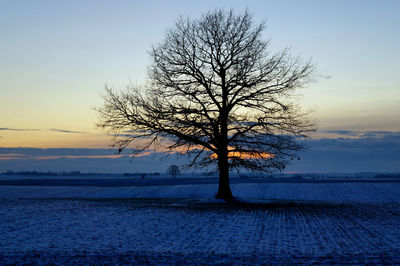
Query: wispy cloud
x,y
18,129
84,160
353,151
12,156
364,134
112,156
56,151
317,78
48,154
343,132
67,131
125,135
367,151
36,129
380,134
369,141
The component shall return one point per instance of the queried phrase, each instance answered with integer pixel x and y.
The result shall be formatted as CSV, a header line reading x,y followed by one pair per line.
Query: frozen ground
x,y
284,223
346,192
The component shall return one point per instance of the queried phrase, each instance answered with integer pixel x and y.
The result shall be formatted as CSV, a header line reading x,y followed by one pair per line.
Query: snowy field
x,y
344,192
273,223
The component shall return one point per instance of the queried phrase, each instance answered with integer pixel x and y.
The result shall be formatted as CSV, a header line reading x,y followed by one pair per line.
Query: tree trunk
x,y
224,190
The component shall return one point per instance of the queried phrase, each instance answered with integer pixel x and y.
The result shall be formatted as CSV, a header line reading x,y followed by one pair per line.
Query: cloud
x,y
342,132
381,134
67,131
112,156
319,77
124,135
36,129
373,151
49,154
131,134
84,160
33,152
364,134
18,129
386,144
369,151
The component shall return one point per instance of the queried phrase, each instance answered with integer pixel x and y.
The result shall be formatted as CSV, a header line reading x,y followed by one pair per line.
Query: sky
x,y
56,57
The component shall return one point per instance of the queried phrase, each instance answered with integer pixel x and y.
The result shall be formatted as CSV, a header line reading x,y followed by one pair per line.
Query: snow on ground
x,y
327,223
329,192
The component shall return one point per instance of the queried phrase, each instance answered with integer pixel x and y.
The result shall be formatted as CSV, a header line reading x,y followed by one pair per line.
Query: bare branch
x,y
216,88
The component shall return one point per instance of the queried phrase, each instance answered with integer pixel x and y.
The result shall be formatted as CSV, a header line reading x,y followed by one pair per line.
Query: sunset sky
x,y
57,56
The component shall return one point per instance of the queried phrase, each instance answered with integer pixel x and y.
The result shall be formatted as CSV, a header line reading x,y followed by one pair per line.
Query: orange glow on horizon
x,y
9,158
141,154
245,155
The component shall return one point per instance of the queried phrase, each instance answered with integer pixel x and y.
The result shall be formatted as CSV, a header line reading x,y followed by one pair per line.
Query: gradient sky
x,y
57,56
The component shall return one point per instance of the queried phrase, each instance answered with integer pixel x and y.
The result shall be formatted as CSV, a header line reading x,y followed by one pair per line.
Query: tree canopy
x,y
217,91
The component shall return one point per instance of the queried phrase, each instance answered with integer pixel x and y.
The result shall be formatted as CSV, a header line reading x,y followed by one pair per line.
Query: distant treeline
x,y
396,175
142,174
69,173
320,176
48,173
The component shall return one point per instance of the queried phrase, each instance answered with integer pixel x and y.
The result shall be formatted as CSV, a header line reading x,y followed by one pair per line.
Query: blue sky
x,y
57,56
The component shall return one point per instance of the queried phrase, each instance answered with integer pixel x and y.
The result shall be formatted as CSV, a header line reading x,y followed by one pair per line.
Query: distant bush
x,y
173,170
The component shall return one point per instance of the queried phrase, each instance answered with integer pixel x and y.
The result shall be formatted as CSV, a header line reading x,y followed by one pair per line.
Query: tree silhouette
x,y
173,170
215,91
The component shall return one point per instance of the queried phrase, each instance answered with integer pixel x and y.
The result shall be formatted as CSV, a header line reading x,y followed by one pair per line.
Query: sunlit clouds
x,y
51,154
377,151
232,154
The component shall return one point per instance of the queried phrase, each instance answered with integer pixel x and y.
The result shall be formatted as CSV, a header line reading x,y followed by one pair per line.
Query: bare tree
x,y
216,91
173,170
